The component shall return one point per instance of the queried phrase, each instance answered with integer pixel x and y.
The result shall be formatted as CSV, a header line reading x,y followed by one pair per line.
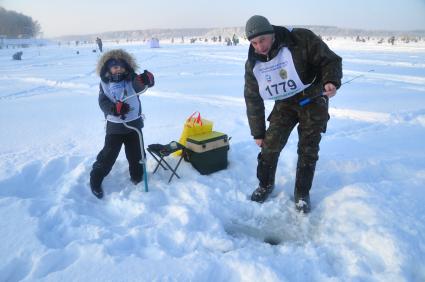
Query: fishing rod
x,y
307,101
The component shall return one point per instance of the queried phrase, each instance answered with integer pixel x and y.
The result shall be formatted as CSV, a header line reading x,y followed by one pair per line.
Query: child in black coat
x,y
116,69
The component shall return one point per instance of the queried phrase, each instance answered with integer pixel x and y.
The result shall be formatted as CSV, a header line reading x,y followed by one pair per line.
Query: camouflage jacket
x,y
312,58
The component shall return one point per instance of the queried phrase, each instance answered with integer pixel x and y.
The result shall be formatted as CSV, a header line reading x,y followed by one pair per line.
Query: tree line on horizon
x,y
17,25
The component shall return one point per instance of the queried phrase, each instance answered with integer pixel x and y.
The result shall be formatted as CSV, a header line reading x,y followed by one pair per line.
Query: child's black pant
x,y
109,154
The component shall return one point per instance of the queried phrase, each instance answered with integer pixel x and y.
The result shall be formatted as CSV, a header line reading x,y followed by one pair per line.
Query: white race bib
x,y
278,79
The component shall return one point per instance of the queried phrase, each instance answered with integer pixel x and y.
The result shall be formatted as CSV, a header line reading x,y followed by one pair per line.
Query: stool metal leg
x,y
159,162
175,170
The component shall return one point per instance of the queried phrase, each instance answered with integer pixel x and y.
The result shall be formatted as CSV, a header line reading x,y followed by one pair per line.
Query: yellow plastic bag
x,y
194,125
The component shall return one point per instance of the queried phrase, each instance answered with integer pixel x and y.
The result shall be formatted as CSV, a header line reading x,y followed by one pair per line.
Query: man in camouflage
x,y
288,66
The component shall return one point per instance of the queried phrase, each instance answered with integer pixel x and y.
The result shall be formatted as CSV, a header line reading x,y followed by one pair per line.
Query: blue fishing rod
x,y
307,101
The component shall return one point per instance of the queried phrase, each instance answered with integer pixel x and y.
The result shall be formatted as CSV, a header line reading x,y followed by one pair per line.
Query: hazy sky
x,y
60,17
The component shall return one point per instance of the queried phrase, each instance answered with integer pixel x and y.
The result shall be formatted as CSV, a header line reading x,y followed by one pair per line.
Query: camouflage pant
x,y
311,120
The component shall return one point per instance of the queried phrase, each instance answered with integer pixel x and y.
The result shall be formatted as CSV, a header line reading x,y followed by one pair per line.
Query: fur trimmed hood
x,y
118,54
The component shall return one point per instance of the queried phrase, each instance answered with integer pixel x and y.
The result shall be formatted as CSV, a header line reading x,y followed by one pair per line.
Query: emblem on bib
x,y
283,74
268,78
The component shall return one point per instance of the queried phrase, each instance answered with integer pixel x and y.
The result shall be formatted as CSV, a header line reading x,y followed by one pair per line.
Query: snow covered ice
x,y
367,220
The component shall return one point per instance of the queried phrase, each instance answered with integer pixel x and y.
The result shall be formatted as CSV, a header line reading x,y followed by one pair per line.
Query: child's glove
x,y
121,108
145,78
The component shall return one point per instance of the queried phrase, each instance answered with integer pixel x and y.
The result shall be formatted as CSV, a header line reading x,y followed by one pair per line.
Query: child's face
x,y
117,69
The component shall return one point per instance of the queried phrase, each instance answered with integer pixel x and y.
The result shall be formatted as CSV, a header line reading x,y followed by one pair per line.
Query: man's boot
x,y
265,174
303,181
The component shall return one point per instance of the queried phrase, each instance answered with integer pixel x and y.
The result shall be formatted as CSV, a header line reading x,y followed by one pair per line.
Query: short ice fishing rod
x,y
307,101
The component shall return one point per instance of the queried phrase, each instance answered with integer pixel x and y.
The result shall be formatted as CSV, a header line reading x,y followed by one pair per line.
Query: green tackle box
x,y
208,152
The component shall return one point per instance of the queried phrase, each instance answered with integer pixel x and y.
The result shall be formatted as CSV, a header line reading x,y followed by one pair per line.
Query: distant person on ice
x,y
17,56
116,69
99,44
287,66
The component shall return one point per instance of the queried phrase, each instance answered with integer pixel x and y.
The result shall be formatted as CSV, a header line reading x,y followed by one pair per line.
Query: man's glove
x,y
145,78
121,108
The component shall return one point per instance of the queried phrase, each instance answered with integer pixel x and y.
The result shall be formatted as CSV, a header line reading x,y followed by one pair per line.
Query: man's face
x,y
117,69
262,43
